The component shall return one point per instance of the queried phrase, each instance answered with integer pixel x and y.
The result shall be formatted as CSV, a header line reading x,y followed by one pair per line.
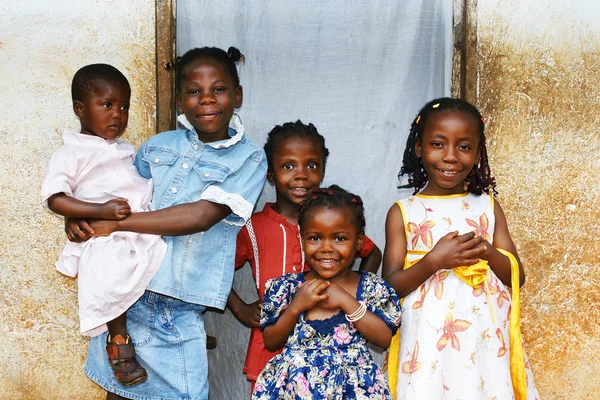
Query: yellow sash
x,y
475,275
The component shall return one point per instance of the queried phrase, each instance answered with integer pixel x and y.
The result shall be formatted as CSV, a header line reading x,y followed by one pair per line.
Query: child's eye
x,y
340,239
464,147
125,107
313,238
106,104
437,144
219,89
288,166
313,165
193,92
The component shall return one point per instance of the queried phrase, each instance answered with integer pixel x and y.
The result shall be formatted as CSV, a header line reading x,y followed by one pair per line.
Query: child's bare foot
x,y
121,356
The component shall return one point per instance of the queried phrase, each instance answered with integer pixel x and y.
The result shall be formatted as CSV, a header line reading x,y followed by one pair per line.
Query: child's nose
x,y
450,155
207,98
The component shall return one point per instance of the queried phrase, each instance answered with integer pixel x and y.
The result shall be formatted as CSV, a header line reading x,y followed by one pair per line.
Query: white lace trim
x,y
235,124
255,251
237,203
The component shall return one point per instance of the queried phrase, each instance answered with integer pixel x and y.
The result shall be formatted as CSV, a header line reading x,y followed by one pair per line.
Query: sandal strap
x,y
120,351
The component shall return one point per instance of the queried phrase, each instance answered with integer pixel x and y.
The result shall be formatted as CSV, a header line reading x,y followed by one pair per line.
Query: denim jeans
x,y
170,342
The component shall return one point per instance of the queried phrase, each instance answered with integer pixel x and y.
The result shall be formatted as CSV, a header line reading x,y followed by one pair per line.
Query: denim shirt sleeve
x,y
141,165
240,190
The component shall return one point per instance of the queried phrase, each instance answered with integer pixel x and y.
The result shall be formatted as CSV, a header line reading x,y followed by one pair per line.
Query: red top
x,y
279,252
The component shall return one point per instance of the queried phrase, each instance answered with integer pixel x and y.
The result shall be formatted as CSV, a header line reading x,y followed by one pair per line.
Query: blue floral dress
x,y
325,359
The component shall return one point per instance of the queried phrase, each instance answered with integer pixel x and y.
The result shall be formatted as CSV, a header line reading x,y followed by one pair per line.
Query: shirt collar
x,y
74,136
275,216
236,130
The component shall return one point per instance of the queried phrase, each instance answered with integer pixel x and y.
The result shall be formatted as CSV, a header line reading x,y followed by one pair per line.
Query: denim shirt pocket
x,y
160,161
207,174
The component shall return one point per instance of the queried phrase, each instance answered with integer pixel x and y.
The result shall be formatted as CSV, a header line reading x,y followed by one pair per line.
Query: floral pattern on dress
x,y
325,359
454,340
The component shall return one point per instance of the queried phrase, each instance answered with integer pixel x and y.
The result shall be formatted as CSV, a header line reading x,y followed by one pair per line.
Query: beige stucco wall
x,y
42,44
538,65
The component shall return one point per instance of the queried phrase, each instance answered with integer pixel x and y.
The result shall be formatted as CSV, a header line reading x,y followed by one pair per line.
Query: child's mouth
x,y
327,263
299,191
447,172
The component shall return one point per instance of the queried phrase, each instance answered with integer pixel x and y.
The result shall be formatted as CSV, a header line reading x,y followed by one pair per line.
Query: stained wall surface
x,y
539,89
42,44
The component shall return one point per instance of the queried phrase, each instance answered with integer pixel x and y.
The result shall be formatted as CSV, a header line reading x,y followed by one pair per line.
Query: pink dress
x,y
112,271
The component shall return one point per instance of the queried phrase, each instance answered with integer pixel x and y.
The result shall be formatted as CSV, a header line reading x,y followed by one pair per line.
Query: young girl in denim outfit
x,y
207,181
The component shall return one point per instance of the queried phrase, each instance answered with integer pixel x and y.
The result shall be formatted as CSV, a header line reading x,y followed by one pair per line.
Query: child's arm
x,y
182,219
452,250
370,262
307,296
373,328
68,206
497,261
247,314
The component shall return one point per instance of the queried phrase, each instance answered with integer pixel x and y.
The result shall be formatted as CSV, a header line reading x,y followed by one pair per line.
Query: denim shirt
x,y
198,268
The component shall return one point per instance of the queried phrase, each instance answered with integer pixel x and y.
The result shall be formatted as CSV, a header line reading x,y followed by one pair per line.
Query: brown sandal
x,y
121,358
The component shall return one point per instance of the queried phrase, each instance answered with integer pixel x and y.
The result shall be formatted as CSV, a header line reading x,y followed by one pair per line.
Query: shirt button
x,y
156,160
196,147
207,174
173,189
185,165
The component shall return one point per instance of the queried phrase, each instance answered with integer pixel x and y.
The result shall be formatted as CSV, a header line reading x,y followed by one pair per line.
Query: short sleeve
x,y
381,300
61,174
367,248
142,166
240,190
243,248
279,293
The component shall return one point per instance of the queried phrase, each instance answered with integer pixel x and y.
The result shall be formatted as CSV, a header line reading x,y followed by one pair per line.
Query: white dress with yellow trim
x,y
454,340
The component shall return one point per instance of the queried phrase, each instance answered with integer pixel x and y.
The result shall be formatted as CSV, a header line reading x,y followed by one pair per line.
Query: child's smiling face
x,y
331,240
104,112
208,97
298,168
449,148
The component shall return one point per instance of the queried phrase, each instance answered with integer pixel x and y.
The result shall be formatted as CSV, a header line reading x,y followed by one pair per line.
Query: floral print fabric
x,y
453,345
325,359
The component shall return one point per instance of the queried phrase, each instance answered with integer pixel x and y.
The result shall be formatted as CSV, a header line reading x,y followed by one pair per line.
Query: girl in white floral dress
x,y
449,254
324,318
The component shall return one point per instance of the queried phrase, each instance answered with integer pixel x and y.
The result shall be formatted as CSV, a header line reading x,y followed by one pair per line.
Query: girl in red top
x,y
270,241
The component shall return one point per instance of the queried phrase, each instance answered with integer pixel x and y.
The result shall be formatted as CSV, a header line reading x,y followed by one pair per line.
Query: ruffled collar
x,y
236,131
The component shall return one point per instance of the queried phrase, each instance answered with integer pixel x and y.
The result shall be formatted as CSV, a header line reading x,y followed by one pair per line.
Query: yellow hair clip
x,y
418,119
436,105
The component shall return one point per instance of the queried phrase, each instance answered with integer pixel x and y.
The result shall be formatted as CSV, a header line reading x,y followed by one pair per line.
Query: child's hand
x,y
309,295
454,250
115,209
337,297
78,230
249,314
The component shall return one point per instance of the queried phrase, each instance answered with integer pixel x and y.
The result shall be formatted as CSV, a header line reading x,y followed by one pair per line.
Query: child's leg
x,y
121,354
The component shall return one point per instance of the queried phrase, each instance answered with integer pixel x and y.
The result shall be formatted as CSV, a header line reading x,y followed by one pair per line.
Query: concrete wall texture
x,y
539,90
42,44
538,75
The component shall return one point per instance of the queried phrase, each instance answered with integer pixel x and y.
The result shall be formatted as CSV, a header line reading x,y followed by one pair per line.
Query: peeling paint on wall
x,y
42,44
539,90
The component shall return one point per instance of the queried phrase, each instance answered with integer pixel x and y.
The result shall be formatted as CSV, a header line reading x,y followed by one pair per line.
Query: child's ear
x,y
78,108
239,96
418,148
360,241
270,176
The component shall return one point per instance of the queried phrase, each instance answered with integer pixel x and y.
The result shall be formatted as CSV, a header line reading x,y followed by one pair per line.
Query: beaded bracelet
x,y
358,314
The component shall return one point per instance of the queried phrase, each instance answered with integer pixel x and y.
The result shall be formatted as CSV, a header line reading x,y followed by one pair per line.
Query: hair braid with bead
x,y
333,197
480,178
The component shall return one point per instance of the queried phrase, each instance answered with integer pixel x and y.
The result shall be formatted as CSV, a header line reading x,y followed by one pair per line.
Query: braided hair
x,y
293,130
480,178
227,59
333,197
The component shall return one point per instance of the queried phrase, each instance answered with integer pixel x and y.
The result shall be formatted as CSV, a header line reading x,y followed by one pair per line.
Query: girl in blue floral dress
x,y
326,316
